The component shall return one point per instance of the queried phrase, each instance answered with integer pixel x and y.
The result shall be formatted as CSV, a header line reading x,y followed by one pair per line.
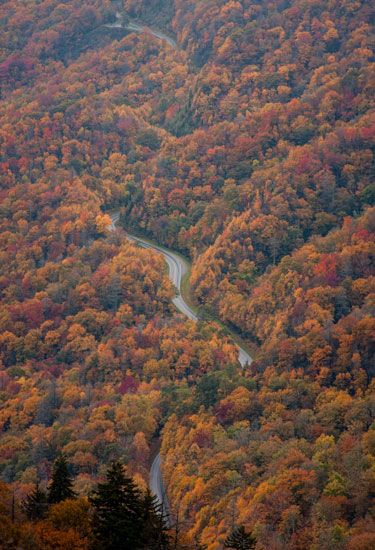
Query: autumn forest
x,y
236,140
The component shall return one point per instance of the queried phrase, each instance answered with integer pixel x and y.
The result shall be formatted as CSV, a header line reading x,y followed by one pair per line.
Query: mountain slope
x,y
249,147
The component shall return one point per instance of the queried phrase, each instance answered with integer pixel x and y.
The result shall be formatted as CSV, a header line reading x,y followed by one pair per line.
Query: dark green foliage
x,y
207,390
7,424
132,197
61,486
35,504
183,121
122,519
117,511
154,524
46,409
239,539
150,139
367,196
111,293
158,13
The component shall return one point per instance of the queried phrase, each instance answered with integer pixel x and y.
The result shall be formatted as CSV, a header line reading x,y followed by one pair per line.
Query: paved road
x,y
157,487
176,272
178,267
138,27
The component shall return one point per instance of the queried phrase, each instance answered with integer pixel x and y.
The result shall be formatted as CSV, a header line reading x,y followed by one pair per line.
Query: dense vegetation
x,y
116,515
296,444
250,148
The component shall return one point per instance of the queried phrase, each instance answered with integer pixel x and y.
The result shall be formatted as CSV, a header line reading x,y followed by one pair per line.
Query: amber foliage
x,y
289,454
88,353
250,147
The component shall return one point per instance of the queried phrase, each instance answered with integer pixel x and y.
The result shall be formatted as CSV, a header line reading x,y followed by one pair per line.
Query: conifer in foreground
x,y
239,539
61,486
35,504
154,524
117,519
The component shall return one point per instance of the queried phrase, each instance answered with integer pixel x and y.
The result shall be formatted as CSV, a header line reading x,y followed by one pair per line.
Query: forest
x,y
246,143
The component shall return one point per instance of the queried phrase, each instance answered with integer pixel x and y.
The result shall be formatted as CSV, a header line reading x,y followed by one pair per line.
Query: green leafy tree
x,y
239,539
61,486
35,504
118,512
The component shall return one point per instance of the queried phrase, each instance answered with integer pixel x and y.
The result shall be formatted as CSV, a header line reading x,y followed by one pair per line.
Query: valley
x,y
187,274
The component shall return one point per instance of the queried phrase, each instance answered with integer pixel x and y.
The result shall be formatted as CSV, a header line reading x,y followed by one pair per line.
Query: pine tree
x,y
154,529
35,504
118,510
239,539
61,483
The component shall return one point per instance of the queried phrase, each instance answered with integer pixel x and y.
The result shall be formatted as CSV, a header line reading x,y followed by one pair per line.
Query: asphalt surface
x,y
138,27
157,488
178,267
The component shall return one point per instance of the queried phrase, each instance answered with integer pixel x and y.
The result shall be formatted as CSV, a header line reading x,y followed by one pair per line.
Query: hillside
x,y
246,143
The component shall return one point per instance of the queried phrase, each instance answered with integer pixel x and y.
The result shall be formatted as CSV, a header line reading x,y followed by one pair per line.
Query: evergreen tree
x,y
61,483
118,512
6,424
46,409
239,539
154,529
35,504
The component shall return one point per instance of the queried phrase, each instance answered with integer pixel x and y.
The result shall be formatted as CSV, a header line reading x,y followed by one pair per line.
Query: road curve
x,y
176,272
138,27
178,267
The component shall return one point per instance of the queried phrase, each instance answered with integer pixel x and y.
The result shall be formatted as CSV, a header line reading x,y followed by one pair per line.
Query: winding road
x,y
138,27
178,267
